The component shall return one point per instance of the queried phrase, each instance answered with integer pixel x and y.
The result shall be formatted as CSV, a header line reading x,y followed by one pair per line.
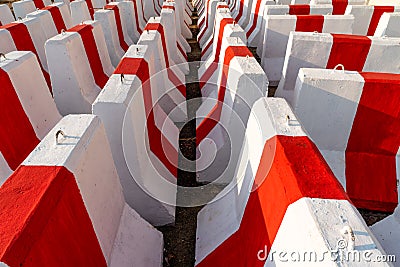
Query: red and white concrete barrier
x,y
5,15
388,25
123,13
322,50
289,10
144,141
339,6
69,184
107,21
25,35
176,50
22,8
211,54
172,88
388,234
54,19
150,9
224,113
206,21
366,18
278,28
282,185
354,131
79,67
27,108
253,26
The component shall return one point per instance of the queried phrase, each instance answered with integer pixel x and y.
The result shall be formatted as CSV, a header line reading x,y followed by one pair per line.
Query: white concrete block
x,y
339,7
5,15
388,25
123,16
81,10
85,70
22,8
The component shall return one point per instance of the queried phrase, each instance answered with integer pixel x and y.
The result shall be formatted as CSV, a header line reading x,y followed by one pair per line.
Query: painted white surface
x,y
46,21
388,25
109,26
278,28
128,135
125,12
5,170
5,15
22,8
79,11
6,41
321,222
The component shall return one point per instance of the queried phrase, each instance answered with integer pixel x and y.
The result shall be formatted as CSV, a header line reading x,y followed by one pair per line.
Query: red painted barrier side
x,y
213,117
117,17
349,50
299,9
137,17
298,170
159,144
309,23
44,221
171,75
339,7
373,144
89,43
255,19
376,16
57,17
17,135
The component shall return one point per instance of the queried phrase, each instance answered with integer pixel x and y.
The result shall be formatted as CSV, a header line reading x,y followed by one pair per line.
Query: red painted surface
x,y
181,50
373,144
339,6
23,42
213,67
376,16
89,43
254,18
38,3
205,18
213,117
159,144
90,7
171,75
299,9
57,17
309,23
290,168
120,32
18,138
137,17
349,50
241,7
44,221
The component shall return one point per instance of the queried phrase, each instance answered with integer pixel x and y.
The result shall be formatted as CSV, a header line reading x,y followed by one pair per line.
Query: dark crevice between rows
x,y
180,239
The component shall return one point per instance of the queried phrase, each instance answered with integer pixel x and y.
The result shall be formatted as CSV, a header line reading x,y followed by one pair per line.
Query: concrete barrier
x,y
224,113
366,18
172,89
144,141
54,19
353,131
123,12
5,15
339,6
387,233
179,32
22,8
277,33
253,26
206,21
322,50
26,35
79,67
76,189
282,185
150,9
81,10
176,49
225,27
388,25
28,110
291,10
109,26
